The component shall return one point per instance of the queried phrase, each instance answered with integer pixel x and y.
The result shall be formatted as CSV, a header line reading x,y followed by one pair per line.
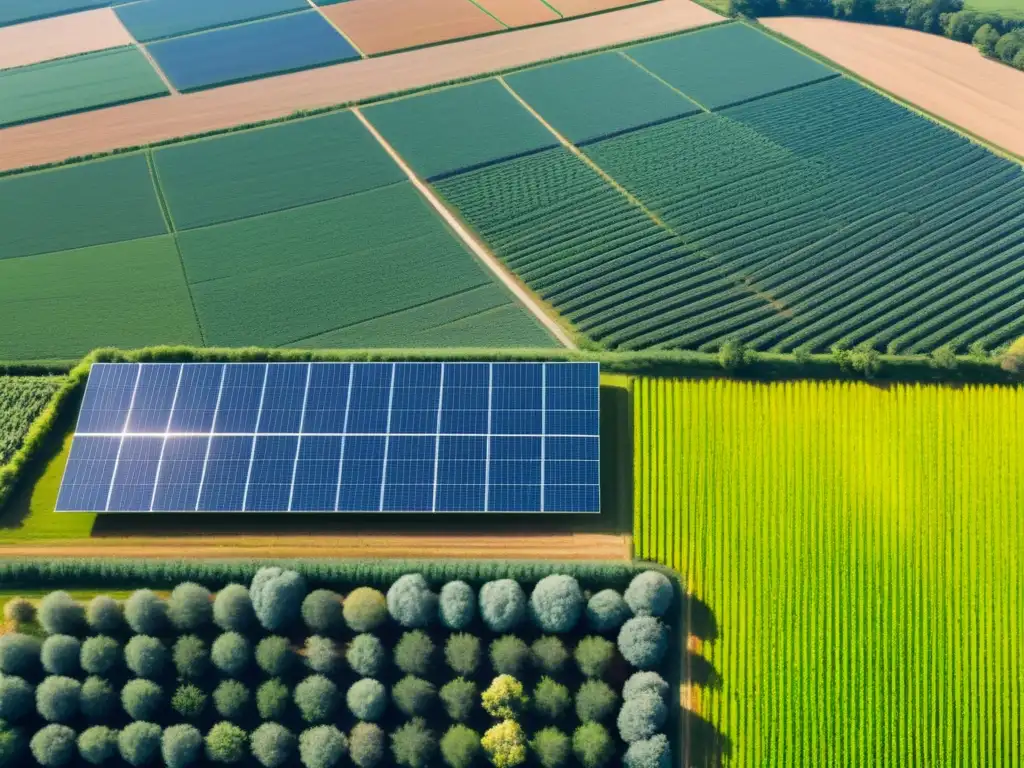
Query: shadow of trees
x,y
702,744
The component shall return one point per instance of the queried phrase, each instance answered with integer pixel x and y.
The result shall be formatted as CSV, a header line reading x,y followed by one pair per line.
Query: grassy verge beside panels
x,y
78,206
271,169
249,51
21,400
585,99
860,548
155,19
60,305
76,84
728,64
455,129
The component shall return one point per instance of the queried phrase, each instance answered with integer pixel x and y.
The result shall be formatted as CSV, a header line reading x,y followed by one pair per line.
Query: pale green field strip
x,y
728,64
61,305
77,206
1012,8
458,128
597,96
483,316
76,84
249,173
861,550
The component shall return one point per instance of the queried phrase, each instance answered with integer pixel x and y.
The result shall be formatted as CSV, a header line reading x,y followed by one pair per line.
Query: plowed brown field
x,y
519,13
378,26
526,547
581,7
160,119
62,36
944,77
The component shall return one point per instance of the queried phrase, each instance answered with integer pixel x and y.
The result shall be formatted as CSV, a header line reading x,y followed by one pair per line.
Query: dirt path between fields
x,y
542,547
944,77
155,120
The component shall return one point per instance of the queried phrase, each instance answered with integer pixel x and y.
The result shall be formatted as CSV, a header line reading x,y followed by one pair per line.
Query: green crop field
x,y
254,172
861,551
21,400
459,128
574,96
1013,8
75,84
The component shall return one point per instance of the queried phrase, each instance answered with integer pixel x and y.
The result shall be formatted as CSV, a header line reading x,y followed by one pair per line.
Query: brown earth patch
x,y
161,119
539,547
378,26
944,77
36,41
582,7
519,13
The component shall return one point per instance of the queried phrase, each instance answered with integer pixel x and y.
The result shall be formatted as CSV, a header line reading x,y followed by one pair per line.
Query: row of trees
x,y
996,36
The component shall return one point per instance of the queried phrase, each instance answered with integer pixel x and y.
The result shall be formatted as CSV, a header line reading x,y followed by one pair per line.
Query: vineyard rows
x,y
21,400
860,550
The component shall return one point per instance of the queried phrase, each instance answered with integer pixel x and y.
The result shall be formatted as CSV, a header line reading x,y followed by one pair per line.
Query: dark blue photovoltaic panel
x,y
197,398
283,398
227,468
327,400
154,397
316,474
181,470
374,437
415,402
361,474
270,481
87,474
371,393
133,483
240,397
410,474
107,398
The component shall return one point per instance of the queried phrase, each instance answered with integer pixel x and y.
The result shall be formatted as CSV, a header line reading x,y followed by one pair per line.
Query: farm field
x,y
1005,7
21,400
860,549
17,11
60,37
150,20
519,13
949,79
75,84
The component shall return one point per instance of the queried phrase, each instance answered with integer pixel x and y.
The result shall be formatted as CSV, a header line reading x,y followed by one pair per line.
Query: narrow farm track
x,y
536,547
161,119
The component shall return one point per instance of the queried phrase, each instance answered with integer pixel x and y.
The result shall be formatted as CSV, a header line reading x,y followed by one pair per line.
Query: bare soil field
x,y
520,13
55,38
379,26
161,119
526,547
582,7
944,77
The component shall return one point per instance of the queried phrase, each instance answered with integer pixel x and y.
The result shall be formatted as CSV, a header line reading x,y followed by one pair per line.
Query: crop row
x,y
21,400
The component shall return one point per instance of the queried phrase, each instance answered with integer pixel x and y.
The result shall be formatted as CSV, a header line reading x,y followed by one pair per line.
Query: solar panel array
x,y
336,437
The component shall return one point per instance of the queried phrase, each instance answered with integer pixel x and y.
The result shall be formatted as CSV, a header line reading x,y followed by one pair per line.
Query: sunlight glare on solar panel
x,y
336,437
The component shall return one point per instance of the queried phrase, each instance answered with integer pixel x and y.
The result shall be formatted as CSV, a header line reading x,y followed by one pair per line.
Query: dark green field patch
x,y
585,99
270,169
76,84
728,64
61,305
78,206
459,128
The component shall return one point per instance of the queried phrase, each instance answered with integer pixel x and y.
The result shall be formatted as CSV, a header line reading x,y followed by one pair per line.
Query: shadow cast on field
x,y
701,743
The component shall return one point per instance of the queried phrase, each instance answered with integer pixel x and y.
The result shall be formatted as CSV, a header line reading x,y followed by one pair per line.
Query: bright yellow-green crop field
x,y
862,551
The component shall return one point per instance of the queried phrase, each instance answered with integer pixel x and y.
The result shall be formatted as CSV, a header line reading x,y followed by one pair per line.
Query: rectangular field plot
x,y
76,84
61,305
579,243
727,65
55,38
269,169
588,98
380,26
520,13
81,205
150,20
841,218
17,11
336,437
457,129
290,276
569,8
273,46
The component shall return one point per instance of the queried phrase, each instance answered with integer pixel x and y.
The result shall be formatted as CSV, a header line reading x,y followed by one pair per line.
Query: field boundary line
x,y
555,10
152,62
339,30
172,230
661,80
480,7
486,257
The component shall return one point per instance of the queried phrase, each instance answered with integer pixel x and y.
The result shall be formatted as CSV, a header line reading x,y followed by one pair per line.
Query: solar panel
x,y
336,437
